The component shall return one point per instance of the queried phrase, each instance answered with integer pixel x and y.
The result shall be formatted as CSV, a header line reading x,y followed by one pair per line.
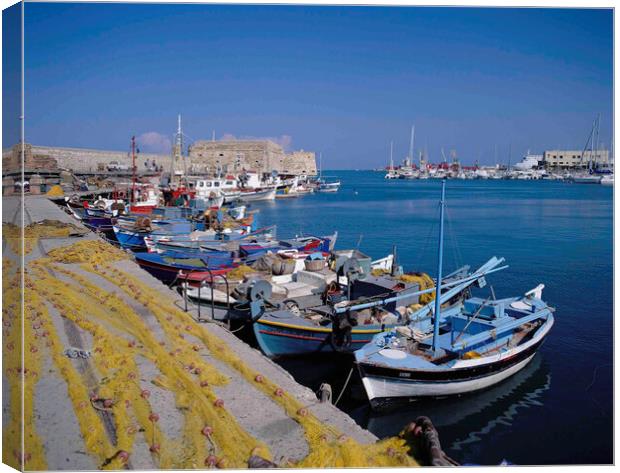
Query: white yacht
x,y
529,162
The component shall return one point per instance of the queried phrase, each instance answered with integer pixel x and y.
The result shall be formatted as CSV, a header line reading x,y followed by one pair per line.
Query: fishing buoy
x,y
207,431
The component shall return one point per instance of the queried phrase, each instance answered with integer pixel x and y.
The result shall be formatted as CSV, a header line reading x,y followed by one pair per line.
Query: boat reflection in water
x,y
464,421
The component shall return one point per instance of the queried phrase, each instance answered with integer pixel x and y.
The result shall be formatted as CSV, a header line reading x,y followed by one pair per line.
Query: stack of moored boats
x,y
412,335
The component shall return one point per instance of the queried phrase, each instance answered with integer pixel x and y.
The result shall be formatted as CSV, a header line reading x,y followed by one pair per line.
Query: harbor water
x,y
559,409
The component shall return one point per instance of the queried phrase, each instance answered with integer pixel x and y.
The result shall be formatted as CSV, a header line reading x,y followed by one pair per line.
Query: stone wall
x,y
300,162
11,160
91,160
204,157
235,156
260,156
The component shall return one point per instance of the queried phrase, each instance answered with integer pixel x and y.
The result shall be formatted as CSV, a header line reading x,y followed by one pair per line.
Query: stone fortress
x,y
261,156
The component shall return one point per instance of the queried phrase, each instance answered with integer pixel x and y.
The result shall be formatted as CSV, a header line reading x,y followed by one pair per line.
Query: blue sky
x,y
340,80
11,75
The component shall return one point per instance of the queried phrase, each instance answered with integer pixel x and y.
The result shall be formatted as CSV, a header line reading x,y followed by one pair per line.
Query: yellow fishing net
x,y
423,280
44,229
108,400
55,191
95,251
240,272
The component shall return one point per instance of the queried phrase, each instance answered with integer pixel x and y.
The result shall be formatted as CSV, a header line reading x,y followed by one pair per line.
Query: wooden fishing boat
x,y
464,349
375,304
328,186
305,244
132,238
166,267
257,194
196,241
287,195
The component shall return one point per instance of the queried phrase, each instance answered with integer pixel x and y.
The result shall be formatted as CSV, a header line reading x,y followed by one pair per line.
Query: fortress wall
x,y
204,157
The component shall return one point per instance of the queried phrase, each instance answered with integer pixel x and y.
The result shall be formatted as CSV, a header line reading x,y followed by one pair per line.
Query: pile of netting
x,y
240,272
180,349
20,377
90,251
55,191
32,232
423,280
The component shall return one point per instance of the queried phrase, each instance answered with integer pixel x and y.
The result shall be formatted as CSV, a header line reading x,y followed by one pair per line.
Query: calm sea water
x,y
559,410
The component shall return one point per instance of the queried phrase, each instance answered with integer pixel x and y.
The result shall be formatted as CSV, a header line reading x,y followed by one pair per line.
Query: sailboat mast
x,y
133,162
391,155
179,143
439,270
598,130
510,154
411,143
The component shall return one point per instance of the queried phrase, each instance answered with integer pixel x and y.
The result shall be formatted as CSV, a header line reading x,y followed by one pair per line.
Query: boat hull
x,y
142,209
269,194
168,273
383,391
281,339
587,180
130,239
385,384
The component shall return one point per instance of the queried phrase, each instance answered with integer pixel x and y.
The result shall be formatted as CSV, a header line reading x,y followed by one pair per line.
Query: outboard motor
x,y
255,293
352,270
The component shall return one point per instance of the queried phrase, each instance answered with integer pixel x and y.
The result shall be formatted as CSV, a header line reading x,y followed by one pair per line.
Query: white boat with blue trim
x,y
459,350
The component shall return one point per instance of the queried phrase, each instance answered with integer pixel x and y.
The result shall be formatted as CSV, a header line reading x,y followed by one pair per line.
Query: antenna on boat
x,y
439,270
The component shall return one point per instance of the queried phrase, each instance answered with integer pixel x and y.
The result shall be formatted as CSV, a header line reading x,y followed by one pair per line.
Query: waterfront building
x,y
575,159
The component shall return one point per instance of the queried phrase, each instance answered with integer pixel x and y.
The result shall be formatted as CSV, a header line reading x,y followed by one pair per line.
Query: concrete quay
x,y
56,419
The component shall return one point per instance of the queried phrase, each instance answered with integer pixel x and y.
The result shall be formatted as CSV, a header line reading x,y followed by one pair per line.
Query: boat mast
x,y
510,154
411,144
598,130
391,154
439,270
179,145
133,162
